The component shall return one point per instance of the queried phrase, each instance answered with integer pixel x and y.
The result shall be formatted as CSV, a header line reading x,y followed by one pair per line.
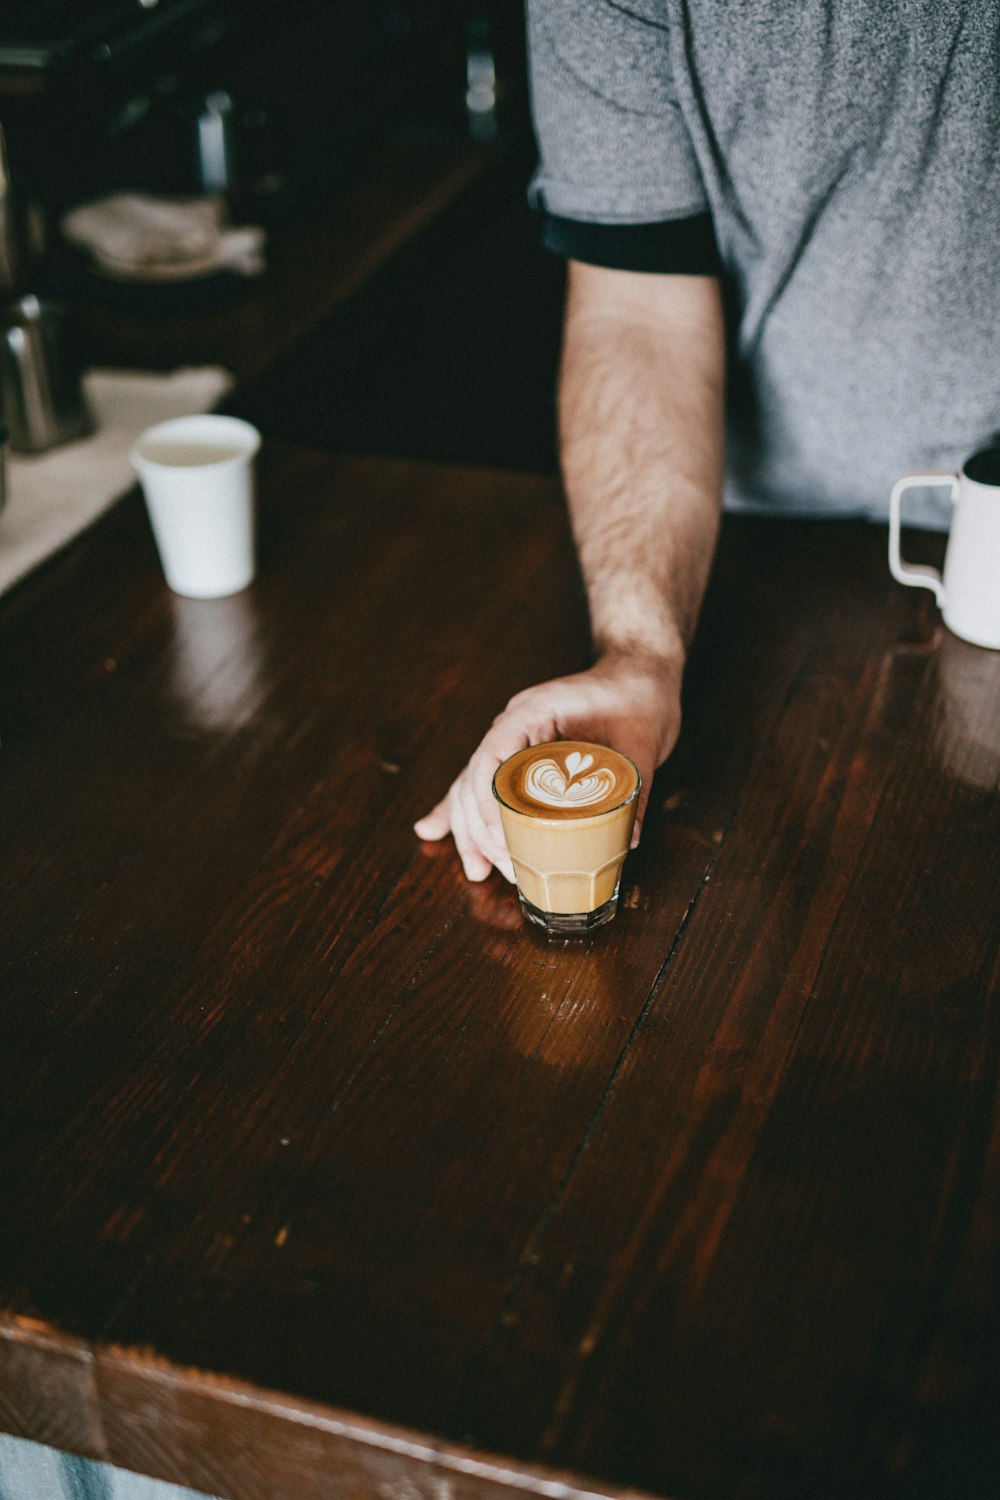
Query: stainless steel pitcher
x,y
40,377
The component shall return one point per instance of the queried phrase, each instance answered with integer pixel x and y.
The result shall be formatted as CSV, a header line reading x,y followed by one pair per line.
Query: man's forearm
x,y
641,428
641,422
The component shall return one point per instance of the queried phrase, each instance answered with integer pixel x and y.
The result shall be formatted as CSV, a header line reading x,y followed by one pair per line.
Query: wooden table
x,y
322,1176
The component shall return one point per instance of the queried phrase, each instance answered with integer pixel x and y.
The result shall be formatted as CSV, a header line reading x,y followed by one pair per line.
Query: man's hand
x,y
640,420
628,701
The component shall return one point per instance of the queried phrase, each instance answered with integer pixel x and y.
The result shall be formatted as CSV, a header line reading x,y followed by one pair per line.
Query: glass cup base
x,y
569,924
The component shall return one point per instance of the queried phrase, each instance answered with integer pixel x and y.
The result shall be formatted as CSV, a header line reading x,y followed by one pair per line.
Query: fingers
x,y
479,847
435,824
475,806
503,740
474,862
488,841
469,812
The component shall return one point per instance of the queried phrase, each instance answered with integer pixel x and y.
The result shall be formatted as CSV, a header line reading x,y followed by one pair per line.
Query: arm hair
x,y
641,398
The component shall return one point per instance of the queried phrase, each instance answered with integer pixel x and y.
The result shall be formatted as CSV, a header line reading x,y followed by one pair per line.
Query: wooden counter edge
x,y
223,1436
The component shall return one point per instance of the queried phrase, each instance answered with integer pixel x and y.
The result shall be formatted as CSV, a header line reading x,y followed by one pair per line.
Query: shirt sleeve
x,y
617,181
683,247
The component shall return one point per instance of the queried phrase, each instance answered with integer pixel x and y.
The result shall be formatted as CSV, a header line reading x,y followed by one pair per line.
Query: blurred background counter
x,y
340,127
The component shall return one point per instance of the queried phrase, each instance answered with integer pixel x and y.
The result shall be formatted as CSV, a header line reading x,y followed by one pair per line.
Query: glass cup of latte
x,y
567,810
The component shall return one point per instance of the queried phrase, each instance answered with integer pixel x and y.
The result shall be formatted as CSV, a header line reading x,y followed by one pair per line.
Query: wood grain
x,y
312,1151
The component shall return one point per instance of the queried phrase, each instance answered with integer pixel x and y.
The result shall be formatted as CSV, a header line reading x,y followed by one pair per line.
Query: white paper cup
x,y
197,477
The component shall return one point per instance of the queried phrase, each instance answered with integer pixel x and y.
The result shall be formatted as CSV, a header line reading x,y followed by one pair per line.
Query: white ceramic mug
x,y
197,477
968,591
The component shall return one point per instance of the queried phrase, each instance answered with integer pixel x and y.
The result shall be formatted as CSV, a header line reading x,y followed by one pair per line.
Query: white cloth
x,y
137,237
31,1471
53,496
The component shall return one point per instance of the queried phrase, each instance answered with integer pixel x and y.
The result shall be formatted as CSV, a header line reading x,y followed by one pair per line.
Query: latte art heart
x,y
572,784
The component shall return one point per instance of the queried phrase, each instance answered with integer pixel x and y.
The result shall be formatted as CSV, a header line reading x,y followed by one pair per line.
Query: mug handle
x,y
916,575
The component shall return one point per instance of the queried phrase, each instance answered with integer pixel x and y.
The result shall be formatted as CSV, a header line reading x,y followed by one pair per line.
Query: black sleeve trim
x,y
681,247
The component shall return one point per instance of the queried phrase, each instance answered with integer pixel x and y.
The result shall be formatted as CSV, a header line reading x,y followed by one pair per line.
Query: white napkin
x,y
53,496
138,237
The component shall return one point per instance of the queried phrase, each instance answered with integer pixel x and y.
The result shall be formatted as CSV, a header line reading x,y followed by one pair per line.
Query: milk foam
x,y
572,784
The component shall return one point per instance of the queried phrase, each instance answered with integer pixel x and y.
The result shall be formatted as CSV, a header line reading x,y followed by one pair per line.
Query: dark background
x,y
106,96
448,352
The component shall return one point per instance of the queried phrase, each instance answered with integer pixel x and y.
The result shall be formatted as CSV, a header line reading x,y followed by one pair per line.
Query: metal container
x,y
216,140
40,377
14,250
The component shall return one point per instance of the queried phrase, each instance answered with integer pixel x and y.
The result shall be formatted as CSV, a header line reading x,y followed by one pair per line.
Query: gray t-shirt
x,y
848,152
